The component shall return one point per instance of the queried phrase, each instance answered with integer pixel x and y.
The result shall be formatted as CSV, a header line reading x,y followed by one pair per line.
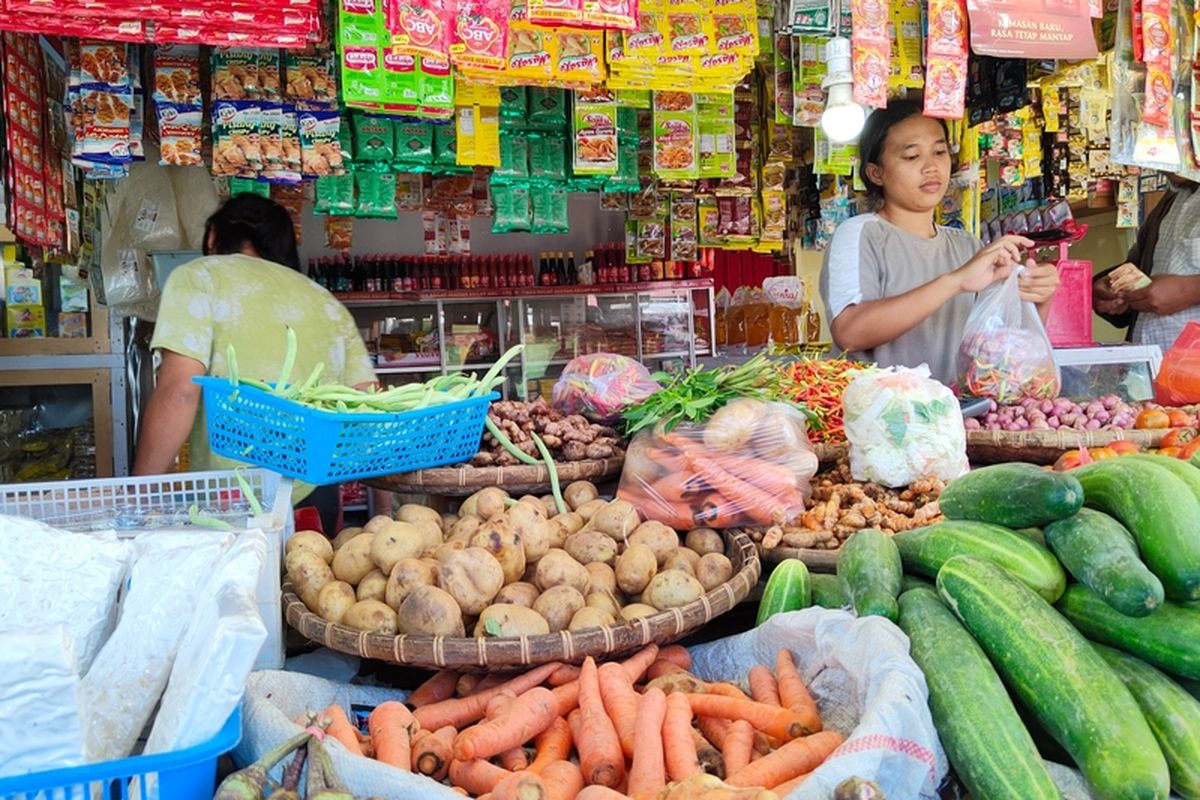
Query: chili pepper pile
x,y
818,384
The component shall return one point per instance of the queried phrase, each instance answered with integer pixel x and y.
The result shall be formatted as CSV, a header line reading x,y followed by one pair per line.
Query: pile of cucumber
x,y
1074,594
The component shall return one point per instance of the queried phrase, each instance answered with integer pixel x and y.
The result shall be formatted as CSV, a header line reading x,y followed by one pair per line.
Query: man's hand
x,y
1166,294
1038,282
1106,301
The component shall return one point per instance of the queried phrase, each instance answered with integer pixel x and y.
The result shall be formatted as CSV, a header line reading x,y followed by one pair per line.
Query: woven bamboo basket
x,y
519,479
815,560
482,654
1044,447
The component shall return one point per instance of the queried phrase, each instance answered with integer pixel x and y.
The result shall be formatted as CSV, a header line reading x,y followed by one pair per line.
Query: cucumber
x,y
1180,469
1013,495
925,550
1173,714
911,582
1158,509
1075,695
1102,555
870,570
1169,638
828,591
988,745
1034,535
787,589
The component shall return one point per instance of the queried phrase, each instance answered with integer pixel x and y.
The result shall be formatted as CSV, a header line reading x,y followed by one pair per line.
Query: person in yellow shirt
x,y
245,292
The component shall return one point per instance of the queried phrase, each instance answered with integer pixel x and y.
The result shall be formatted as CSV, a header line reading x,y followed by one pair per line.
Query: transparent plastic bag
x,y
601,385
902,427
1005,352
1178,380
749,464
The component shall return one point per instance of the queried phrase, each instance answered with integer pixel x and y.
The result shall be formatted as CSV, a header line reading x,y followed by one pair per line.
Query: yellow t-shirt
x,y
217,301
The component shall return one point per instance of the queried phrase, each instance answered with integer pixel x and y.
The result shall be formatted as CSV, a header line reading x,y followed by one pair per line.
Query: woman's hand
x,y
1038,282
992,263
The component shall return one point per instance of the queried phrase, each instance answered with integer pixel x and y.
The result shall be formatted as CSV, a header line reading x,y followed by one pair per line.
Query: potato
x,y
520,593
411,512
311,540
431,533
530,527
506,620
617,519
589,509
463,530
635,568
439,555
557,605
556,568
556,533
353,560
430,611
346,535
589,617
713,569
672,589
497,537
603,601
683,559
372,587
537,505
448,521
394,541
309,574
579,492
373,616
335,600
704,541
485,504
661,539
588,546
601,577
376,522
636,611
551,506
472,577
406,575
571,521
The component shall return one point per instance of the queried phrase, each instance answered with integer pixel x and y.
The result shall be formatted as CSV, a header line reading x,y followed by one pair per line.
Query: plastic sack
x,y
40,688
601,385
1005,352
217,653
866,686
1178,380
749,464
903,426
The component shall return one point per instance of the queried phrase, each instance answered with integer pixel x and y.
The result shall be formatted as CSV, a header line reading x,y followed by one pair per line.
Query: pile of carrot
x,y
629,730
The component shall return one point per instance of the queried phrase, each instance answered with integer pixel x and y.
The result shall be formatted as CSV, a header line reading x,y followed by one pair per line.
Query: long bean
x,y
517,453
289,361
554,487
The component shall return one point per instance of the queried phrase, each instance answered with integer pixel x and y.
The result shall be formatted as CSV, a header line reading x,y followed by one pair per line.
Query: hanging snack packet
x,y
420,27
270,137
320,152
437,87
579,57
177,74
102,64
376,194
548,156
334,194
480,36
675,141
310,75
512,208
549,209
547,107
689,30
445,145
401,83
374,139
362,74
269,77
235,131
528,47
288,171
179,131
716,125
414,146
249,186
235,74
409,191
618,15
514,157
595,137
358,23
514,103
339,233
567,13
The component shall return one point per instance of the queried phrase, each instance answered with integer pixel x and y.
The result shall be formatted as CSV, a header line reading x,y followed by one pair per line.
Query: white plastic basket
x,y
133,505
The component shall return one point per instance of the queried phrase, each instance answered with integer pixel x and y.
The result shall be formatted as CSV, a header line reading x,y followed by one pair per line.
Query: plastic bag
x,y
41,688
601,385
1178,380
903,426
749,464
1005,352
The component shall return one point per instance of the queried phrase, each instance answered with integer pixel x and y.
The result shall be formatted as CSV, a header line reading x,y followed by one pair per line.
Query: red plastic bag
x,y
1178,380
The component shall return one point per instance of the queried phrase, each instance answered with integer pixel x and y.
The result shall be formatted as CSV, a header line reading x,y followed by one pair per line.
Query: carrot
x,y
769,477
762,685
714,729
710,757
771,720
666,460
552,744
460,711
738,746
526,717
432,751
621,703
647,775
727,690
440,687
787,787
636,665
677,654
520,786
490,681
563,780
478,776
514,758
391,725
600,754
679,747
754,502
341,729
662,667
466,684
567,697
793,694
564,674
598,792
794,758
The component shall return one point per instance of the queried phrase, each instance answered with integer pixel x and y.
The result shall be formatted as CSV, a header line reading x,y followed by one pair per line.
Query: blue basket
x,y
189,774
320,447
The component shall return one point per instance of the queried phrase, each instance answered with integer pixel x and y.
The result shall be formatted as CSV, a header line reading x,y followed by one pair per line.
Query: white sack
x,y
40,724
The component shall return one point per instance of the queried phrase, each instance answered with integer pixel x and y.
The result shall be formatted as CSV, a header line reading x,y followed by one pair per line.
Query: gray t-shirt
x,y
872,259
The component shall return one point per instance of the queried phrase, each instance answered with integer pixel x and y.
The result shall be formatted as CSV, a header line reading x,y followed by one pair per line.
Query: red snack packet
x,y
480,37
420,27
556,12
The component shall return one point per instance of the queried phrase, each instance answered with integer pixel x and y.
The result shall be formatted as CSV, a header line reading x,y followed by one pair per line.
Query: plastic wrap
x,y
600,386
128,676
749,464
217,653
903,426
41,701
1178,379
1005,352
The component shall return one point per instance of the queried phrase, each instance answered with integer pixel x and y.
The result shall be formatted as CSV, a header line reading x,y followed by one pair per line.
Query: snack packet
x,y
320,152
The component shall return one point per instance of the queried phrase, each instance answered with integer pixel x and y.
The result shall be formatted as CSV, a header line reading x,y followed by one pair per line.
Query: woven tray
x,y
520,479
815,560
472,654
1044,447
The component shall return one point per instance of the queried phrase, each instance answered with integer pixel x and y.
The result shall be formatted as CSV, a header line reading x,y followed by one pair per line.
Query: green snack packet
x,y
374,140
345,138
414,145
514,157
514,105
512,208
548,157
549,209
547,107
358,22
376,194
334,194
249,186
445,146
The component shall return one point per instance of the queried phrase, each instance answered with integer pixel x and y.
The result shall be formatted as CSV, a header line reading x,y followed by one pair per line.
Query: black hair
x,y
874,137
251,219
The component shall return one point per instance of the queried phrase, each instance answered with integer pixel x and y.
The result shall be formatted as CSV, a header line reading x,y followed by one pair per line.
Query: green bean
x,y
507,444
231,364
251,497
289,361
491,375
554,487
204,521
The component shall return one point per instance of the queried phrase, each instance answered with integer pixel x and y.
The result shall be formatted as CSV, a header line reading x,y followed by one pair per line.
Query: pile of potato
x,y
504,567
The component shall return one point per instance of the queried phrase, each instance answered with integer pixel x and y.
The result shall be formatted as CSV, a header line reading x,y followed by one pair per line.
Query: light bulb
x,y
843,118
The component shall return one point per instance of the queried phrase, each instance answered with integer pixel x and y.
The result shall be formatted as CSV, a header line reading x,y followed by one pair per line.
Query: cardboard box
x,y
24,293
26,322
72,325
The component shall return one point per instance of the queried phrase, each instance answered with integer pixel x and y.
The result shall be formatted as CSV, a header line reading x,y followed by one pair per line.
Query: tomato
x,y
1123,447
1102,453
1179,418
1177,437
1170,452
1069,460
1151,418
1190,450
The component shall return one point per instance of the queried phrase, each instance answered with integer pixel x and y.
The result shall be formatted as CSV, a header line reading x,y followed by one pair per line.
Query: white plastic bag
x,y
217,652
902,427
40,698
867,688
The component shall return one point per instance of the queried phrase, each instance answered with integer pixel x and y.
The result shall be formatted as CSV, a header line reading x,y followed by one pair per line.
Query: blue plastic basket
x,y
321,447
188,774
